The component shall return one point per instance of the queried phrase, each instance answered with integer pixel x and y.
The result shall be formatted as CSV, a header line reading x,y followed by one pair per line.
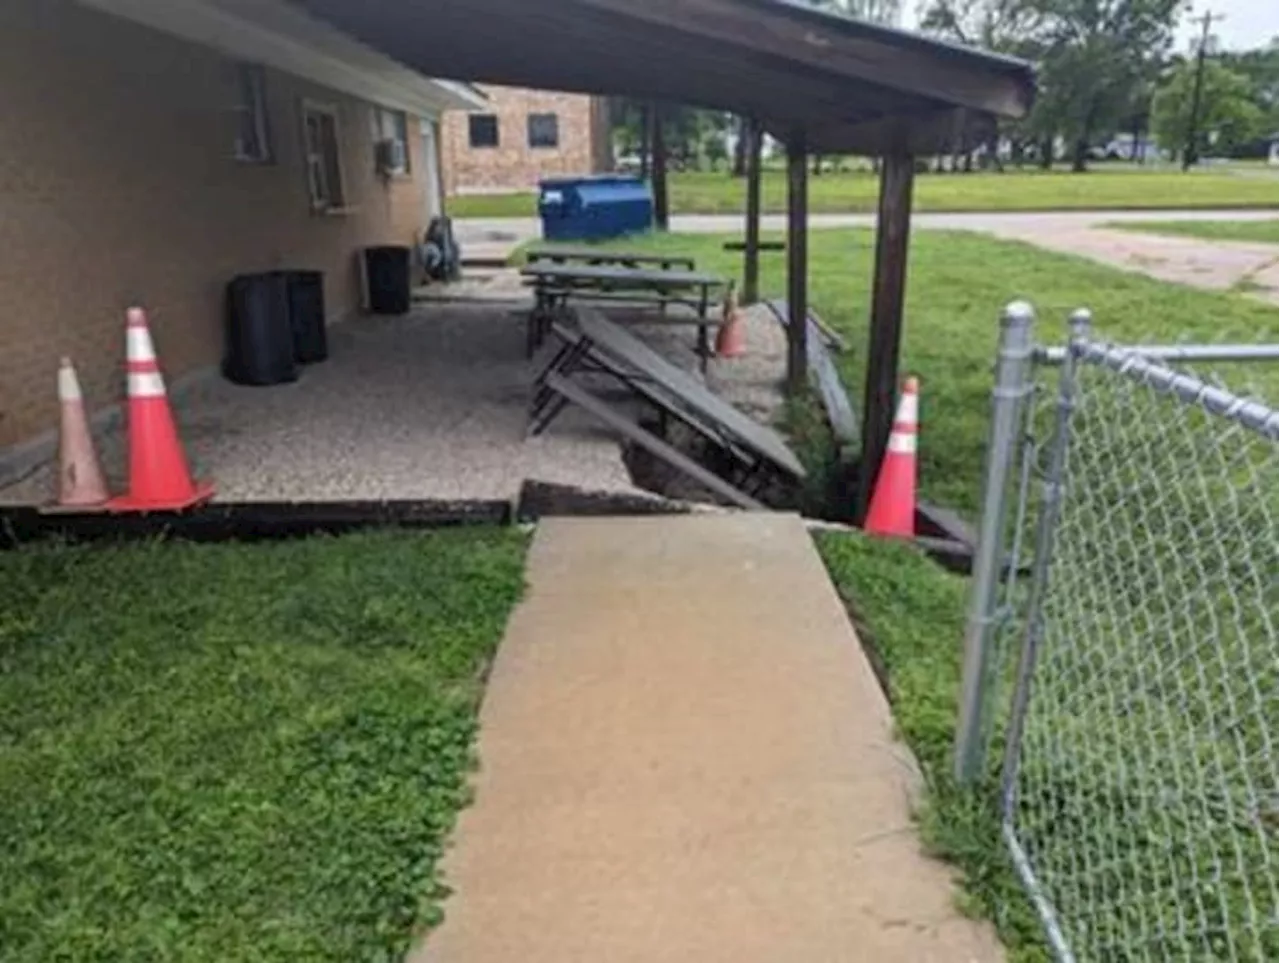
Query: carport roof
x,y
846,85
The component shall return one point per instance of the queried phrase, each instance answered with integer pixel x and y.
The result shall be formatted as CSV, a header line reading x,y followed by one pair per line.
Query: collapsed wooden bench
x,y
598,345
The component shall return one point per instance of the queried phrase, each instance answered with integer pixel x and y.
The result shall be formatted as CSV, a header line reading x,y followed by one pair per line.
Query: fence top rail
x,y
1056,354
1133,363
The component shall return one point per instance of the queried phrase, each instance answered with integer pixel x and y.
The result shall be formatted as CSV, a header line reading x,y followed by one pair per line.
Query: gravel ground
x,y
430,405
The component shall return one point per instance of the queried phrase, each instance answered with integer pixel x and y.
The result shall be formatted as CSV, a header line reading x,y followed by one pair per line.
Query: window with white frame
x,y
391,141
323,156
253,133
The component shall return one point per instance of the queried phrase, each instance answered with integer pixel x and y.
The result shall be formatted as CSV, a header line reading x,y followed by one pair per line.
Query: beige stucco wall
x,y
118,185
513,164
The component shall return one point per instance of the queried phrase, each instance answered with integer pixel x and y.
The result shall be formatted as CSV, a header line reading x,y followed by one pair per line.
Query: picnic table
x,y
598,344
556,284
596,255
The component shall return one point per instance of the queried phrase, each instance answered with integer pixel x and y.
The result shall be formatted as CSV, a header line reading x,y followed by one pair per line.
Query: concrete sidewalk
x,y
686,757
1199,262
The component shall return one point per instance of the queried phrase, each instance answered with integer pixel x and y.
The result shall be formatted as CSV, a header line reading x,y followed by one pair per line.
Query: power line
x,y
1191,152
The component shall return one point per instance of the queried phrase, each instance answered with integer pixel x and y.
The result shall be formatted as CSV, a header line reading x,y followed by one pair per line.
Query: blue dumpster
x,y
592,208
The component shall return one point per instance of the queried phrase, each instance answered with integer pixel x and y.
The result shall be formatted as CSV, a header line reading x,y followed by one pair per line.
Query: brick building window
x,y
482,130
544,130
253,135
323,156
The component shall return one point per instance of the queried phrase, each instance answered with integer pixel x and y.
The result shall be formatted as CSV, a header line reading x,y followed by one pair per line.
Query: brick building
x,y
522,135
151,150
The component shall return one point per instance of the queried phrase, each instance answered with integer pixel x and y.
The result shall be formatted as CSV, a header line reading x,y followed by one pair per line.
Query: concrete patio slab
x,y
685,756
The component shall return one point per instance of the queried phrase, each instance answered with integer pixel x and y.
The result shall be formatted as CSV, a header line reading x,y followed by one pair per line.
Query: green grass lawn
x,y
911,613
704,192
957,283
238,752
1262,232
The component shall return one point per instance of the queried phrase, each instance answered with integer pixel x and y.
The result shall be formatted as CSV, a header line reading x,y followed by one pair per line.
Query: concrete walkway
x,y
685,757
1199,262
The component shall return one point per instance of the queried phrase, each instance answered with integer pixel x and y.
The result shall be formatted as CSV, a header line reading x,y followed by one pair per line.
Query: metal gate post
x,y
1012,385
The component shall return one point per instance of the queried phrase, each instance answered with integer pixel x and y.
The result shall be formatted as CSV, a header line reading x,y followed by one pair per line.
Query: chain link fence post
x,y
1137,798
1053,491
1012,386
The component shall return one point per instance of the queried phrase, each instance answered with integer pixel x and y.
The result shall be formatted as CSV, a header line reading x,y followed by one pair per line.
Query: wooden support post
x,y
893,224
797,263
658,160
646,140
751,250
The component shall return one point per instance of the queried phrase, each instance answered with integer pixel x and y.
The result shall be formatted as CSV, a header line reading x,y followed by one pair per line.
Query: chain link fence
x,y
1124,648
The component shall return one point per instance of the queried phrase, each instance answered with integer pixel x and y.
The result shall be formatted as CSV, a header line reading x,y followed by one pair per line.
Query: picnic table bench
x,y
596,255
598,344
555,285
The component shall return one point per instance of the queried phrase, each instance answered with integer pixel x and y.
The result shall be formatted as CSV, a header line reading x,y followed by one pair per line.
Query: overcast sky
x,y
1245,24
1248,23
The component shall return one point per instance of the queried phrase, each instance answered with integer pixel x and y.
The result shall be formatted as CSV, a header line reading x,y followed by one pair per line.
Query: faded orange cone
x,y
893,502
159,479
731,338
80,480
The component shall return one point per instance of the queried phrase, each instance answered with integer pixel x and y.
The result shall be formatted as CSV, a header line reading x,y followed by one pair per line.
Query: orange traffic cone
x,y
731,337
80,480
159,479
893,502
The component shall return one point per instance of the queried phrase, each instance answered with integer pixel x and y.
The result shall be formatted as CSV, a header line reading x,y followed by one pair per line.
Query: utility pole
x,y
1191,152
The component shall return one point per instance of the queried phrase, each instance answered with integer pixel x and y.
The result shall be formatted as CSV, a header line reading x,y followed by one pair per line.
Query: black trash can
x,y
387,270
306,315
259,340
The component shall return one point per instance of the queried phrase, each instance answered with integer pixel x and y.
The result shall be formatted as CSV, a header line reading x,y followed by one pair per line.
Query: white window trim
x,y
331,110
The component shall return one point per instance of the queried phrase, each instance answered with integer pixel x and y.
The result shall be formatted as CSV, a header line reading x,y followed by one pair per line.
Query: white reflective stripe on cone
x,y
68,384
902,444
138,344
146,384
909,408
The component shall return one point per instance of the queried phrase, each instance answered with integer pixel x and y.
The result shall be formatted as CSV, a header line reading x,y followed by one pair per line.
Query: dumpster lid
x,y
587,180
622,191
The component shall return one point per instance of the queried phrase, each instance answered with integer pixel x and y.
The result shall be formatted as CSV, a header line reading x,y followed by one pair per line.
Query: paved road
x,y
684,755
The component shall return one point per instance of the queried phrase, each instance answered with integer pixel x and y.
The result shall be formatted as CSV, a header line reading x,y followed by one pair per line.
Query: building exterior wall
x,y
118,185
513,164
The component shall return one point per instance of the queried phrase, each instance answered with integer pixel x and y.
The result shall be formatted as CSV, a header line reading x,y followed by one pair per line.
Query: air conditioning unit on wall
x,y
390,156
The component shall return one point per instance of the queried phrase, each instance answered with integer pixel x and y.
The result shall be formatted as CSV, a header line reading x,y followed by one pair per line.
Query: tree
x,y
1228,116
1094,54
1003,26
1259,67
876,11
1093,57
